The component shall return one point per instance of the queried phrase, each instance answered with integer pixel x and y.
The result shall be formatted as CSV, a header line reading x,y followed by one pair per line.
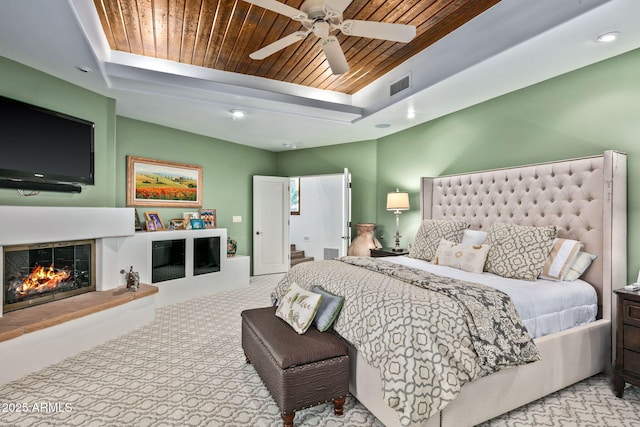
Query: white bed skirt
x,y
567,357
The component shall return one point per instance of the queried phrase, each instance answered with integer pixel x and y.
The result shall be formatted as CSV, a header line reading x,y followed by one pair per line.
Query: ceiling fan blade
x,y
379,30
278,45
281,8
337,6
335,55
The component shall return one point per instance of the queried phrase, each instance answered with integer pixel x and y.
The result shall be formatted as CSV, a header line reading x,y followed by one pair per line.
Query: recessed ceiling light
x,y
84,68
237,114
608,37
411,114
290,146
383,125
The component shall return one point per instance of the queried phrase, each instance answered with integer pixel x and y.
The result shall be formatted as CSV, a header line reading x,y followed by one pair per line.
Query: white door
x,y
346,212
271,212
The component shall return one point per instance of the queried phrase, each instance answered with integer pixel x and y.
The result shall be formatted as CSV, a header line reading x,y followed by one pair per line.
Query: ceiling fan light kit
x,y
322,17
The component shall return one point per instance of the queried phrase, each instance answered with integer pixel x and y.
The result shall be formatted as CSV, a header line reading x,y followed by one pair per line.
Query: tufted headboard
x,y
585,198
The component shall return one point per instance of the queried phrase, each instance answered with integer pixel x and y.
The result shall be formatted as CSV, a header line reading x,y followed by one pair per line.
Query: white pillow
x,y
298,307
580,265
562,256
473,237
463,257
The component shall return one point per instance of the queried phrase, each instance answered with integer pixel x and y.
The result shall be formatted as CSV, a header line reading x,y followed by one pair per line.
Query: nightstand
x,y
380,252
627,367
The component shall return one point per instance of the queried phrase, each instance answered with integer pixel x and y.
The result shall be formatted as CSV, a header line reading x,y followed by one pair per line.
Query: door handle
x,y
257,232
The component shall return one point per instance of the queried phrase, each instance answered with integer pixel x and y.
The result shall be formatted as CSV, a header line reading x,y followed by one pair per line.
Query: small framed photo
x,y
177,224
187,216
197,223
154,223
209,217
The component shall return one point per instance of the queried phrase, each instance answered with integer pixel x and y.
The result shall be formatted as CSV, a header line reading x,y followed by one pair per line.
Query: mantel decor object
x,y
232,247
137,223
397,201
154,223
177,224
209,217
364,241
196,223
132,279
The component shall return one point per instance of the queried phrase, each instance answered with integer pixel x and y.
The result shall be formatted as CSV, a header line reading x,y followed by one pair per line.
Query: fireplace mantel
x,y
35,224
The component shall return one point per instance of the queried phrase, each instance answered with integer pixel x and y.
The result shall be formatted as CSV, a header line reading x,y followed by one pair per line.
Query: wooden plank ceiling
x,y
220,34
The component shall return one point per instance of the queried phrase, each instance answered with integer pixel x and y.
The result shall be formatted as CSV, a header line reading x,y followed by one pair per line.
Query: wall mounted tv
x,y
41,148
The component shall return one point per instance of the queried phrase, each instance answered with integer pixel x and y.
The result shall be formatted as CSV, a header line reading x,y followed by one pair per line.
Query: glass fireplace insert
x,y
41,273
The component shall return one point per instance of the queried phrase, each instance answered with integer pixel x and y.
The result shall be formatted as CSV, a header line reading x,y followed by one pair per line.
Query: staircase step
x,y
297,254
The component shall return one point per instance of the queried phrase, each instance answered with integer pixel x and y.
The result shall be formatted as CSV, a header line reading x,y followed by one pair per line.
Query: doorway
x,y
321,226
317,229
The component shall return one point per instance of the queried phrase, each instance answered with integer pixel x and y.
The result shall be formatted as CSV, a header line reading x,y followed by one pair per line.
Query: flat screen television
x,y
44,146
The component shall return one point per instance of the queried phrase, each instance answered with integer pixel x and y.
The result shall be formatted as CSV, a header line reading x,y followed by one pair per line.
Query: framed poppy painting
x,y
161,183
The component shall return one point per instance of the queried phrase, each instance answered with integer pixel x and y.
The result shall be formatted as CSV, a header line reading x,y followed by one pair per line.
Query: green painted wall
x,y
581,113
227,168
358,157
34,87
227,171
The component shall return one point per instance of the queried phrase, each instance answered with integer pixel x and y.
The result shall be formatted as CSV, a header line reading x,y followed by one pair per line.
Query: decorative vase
x,y
232,247
364,241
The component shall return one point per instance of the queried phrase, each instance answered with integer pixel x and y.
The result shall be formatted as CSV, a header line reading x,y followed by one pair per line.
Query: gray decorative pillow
x,y
330,306
519,251
431,232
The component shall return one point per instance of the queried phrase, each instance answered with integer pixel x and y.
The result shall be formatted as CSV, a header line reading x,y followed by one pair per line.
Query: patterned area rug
x,y
187,368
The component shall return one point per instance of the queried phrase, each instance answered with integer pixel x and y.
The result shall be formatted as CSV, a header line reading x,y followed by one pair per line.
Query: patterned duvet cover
x,y
429,335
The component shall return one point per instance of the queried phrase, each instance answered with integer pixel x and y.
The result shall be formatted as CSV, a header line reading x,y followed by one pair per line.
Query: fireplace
x,y
40,273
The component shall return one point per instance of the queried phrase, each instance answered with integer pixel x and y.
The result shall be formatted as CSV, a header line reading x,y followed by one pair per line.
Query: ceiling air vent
x,y
400,85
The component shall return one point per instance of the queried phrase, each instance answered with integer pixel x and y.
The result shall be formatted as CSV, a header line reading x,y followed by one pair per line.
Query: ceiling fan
x,y
322,17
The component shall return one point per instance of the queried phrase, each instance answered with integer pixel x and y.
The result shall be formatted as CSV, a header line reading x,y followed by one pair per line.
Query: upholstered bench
x,y
299,371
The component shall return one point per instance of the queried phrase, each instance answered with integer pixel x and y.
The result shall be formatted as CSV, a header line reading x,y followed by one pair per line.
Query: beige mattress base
x,y
567,357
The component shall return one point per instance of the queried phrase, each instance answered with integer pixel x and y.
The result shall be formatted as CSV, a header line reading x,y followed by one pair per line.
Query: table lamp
x,y
397,201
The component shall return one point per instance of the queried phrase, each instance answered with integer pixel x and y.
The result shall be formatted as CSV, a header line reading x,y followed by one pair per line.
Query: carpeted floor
x,y
187,369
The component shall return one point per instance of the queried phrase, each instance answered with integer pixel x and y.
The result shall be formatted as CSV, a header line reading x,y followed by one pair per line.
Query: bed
x,y
586,200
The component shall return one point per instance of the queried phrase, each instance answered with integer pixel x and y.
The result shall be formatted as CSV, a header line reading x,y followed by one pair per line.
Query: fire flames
x,y
42,279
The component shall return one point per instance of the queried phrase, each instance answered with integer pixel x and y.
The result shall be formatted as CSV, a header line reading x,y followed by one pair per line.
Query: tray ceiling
x,y
221,34
511,45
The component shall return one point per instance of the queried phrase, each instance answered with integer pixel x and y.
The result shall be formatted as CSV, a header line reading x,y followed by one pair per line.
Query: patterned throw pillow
x,y
461,256
298,308
329,308
519,251
561,258
429,236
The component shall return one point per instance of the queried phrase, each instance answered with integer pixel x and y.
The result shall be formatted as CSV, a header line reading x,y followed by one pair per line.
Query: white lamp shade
x,y
398,201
